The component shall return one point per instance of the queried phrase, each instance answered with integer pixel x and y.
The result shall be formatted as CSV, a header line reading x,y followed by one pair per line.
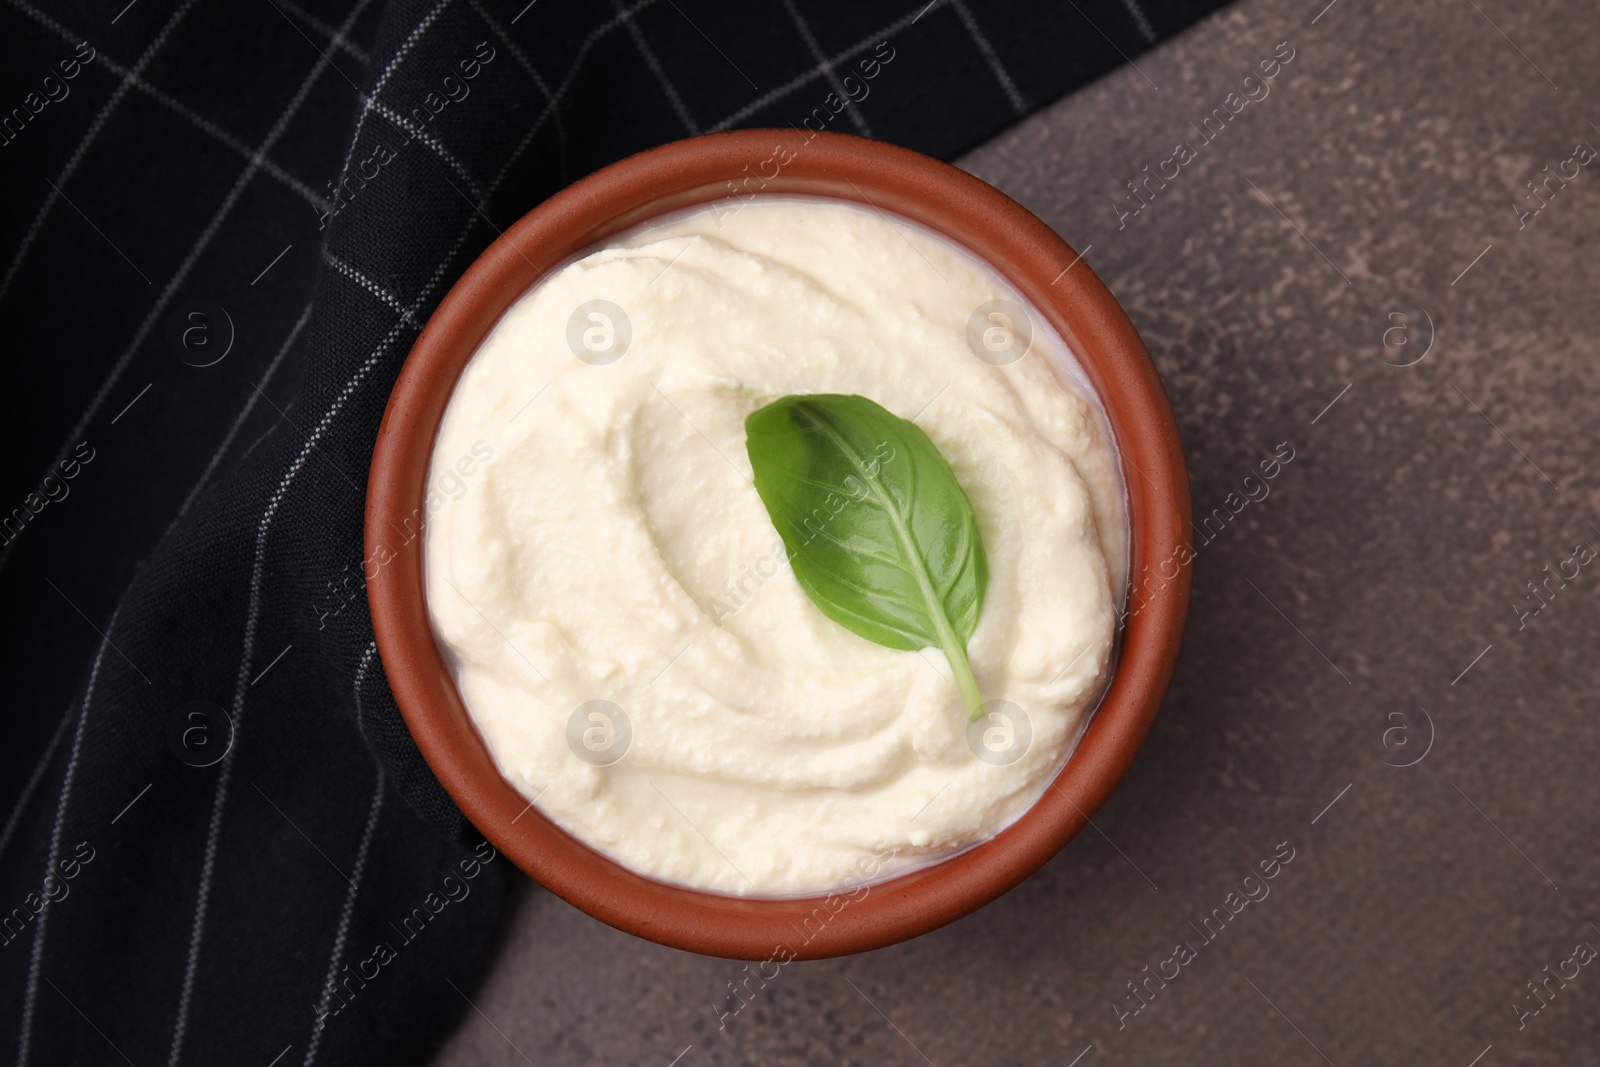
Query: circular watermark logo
x,y
201,333
1407,337
999,332
1002,736
598,332
599,733
1406,742
199,732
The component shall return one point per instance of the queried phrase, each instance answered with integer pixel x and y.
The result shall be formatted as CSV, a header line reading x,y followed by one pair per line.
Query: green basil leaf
x,y
879,533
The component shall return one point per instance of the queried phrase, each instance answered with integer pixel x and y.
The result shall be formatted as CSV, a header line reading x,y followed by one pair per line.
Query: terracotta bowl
x,y
948,201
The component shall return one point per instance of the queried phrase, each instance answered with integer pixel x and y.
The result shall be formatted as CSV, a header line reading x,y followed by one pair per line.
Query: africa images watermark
x,y
1543,594
740,591
448,487
52,90
1253,889
1540,195
1255,88
1253,488
745,189
53,488
453,889
452,89
53,891
741,994
1541,993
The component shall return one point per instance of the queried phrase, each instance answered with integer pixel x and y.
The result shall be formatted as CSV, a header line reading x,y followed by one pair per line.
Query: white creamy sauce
x,y
612,548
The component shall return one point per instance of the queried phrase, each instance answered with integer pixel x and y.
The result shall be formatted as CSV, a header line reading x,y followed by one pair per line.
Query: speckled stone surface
x,y
1377,587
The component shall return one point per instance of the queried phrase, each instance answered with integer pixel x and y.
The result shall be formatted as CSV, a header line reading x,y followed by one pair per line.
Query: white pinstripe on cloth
x,y
214,829
86,140
650,60
200,245
1139,19
825,65
986,50
36,962
341,936
177,107
767,99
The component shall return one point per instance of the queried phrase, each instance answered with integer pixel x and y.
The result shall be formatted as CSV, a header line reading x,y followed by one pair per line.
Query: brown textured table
x,y
1373,609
